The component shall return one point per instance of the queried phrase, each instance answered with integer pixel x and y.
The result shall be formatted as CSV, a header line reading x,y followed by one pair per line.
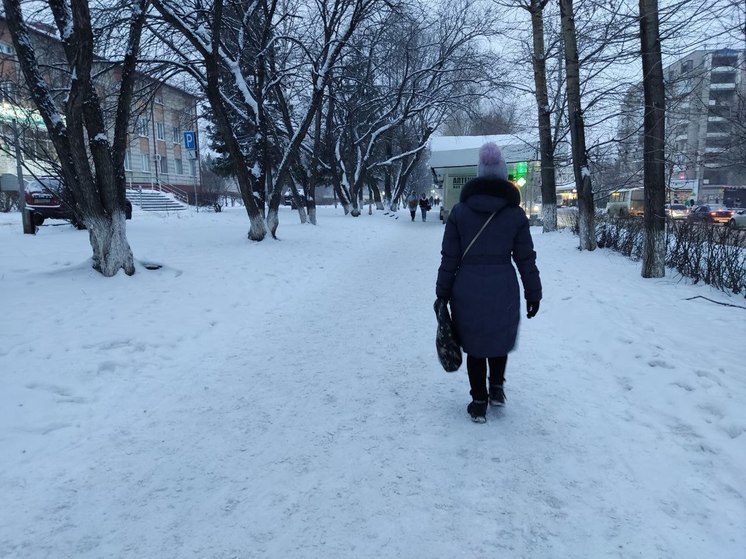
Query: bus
x,y
626,202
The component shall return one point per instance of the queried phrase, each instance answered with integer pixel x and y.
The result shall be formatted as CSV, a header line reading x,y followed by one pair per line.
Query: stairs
x,y
154,201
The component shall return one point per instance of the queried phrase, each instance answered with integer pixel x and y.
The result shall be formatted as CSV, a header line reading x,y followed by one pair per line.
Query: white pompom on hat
x,y
491,162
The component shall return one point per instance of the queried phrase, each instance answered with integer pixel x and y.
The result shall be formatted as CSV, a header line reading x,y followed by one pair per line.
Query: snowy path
x,y
284,400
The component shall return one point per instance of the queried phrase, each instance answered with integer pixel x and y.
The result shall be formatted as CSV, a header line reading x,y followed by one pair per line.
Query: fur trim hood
x,y
493,188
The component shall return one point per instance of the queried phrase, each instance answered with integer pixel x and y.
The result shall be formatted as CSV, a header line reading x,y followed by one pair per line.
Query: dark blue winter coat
x,y
483,289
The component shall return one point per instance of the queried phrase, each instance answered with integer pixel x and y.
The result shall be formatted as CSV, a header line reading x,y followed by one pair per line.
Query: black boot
x,y
497,378
478,411
497,395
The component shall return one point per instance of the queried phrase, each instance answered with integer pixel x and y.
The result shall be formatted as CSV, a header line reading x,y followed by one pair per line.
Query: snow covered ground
x,y
284,399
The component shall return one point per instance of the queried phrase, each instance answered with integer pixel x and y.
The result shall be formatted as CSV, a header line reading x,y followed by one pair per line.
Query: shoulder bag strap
x,y
479,233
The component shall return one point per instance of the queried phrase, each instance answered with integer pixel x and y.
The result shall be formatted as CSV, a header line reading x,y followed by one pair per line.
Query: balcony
x,y
716,119
723,69
718,134
722,86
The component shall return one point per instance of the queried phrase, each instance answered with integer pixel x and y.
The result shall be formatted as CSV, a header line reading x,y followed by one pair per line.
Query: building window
x,y
176,134
193,167
716,176
158,99
723,77
719,127
142,127
720,111
8,91
7,48
145,162
127,161
160,130
163,164
178,167
687,66
718,143
724,60
720,97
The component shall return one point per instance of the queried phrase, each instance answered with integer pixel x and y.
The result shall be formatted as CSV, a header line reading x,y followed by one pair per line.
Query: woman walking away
x,y
484,230
424,206
412,205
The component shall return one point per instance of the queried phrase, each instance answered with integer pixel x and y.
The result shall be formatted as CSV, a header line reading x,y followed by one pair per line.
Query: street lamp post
x,y
28,226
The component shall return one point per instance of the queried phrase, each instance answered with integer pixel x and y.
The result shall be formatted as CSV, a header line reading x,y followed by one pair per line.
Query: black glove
x,y
532,307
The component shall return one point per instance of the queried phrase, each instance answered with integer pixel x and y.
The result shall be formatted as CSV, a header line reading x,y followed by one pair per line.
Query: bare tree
x,y
586,218
549,130
654,249
398,84
92,169
546,145
235,43
499,117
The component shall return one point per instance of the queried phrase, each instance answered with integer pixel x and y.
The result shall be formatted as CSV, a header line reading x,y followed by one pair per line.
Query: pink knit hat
x,y
491,162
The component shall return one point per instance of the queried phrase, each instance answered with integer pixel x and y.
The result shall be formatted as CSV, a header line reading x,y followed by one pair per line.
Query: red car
x,y
710,213
45,197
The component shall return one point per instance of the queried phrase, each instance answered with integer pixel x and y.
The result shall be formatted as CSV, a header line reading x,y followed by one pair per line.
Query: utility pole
x,y
28,226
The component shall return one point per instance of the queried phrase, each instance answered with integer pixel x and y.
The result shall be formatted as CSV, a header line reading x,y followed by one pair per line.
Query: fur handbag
x,y
446,339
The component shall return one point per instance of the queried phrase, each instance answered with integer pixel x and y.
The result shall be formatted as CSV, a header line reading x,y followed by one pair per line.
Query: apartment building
x,y
158,155
705,129
708,143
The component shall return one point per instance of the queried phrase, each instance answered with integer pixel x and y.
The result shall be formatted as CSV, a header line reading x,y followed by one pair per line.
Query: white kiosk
x,y
453,161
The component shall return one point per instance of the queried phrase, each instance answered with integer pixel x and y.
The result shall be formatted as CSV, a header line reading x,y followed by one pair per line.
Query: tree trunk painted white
x,y
549,217
93,170
111,251
273,221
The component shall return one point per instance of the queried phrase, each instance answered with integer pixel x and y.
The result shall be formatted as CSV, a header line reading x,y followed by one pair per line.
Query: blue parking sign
x,y
190,140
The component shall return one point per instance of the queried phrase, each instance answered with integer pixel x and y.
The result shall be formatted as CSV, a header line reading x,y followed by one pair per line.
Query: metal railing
x,y
176,192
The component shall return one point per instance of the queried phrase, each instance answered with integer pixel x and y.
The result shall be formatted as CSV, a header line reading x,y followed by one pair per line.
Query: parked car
x,y
676,211
47,197
710,213
738,220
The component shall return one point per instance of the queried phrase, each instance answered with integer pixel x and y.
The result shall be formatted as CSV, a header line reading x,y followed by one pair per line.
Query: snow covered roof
x,y
567,187
462,151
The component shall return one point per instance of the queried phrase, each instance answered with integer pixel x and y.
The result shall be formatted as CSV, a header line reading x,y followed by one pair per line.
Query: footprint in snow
x,y
734,431
684,385
53,388
625,383
660,363
713,410
706,376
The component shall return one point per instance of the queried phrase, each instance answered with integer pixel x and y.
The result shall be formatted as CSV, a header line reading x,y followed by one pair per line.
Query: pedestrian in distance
x,y
424,206
412,205
485,230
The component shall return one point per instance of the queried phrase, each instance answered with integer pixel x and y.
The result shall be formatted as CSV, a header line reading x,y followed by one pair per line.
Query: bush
x,y
713,254
709,253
